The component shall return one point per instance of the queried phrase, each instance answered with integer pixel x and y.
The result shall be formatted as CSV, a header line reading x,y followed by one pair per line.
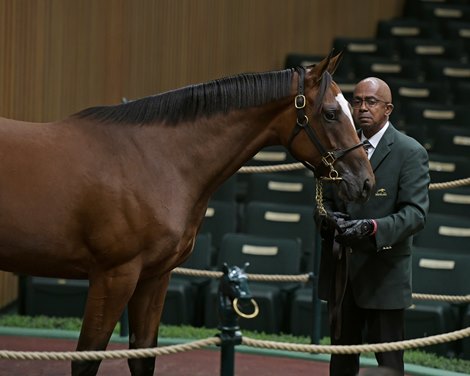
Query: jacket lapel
x,y
384,147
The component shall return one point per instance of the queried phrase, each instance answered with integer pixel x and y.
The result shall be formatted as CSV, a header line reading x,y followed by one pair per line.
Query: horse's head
x,y
323,136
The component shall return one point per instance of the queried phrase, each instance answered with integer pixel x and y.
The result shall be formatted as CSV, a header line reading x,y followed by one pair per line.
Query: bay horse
x,y
116,194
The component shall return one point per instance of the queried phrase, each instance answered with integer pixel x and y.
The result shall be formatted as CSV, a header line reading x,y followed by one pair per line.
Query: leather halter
x,y
302,123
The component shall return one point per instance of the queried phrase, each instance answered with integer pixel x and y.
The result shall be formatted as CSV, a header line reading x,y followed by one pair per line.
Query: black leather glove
x,y
328,221
351,231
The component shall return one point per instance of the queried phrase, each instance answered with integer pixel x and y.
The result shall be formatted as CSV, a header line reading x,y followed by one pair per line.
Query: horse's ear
x,y
334,61
328,64
322,66
247,264
225,268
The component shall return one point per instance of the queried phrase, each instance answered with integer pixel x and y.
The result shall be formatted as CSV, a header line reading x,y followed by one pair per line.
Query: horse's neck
x,y
214,149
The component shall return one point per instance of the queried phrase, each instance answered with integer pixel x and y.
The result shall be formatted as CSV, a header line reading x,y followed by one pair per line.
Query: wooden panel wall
x,y
59,56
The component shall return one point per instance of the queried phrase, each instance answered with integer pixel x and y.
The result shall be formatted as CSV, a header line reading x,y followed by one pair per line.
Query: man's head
x,y
372,105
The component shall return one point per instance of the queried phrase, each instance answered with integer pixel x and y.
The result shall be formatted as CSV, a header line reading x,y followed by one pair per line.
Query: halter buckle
x,y
328,159
300,101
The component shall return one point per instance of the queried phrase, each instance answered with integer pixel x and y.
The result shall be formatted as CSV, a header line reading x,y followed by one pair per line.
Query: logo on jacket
x,y
381,192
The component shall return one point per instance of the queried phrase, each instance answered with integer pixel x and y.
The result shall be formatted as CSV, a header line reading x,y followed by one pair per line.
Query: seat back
x,y
450,201
422,49
385,68
452,141
227,191
286,221
220,218
200,258
399,28
294,60
446,70
450,233
281,188
431,267
445,168
266,255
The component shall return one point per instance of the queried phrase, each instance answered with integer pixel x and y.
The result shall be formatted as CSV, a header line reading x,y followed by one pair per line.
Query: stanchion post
x,y
232,286
230,337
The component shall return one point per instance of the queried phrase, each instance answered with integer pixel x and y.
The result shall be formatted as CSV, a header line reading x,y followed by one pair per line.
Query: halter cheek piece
x,y
328,157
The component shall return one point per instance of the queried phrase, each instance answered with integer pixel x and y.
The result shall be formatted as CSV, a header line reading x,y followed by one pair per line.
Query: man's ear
x,y
389,110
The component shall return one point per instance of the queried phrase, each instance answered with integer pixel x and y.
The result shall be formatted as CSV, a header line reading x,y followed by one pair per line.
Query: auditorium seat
x,y
265,255
459,30
453,140
425,318
354,47
450,233
385,68
422,49
286,221
185,295
221,218
440,13
281,189
445,168
294,60
398,28
446,70
453,201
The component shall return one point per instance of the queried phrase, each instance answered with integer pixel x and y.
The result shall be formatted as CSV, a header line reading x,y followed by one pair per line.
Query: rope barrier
x,y
307,277
273,168
251,277
109,354
300,166
211,341
356,349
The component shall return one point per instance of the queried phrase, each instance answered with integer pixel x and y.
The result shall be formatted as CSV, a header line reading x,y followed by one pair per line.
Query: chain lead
x,y
319,197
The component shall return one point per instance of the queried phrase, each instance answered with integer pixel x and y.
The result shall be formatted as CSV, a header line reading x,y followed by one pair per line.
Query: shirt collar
x,y
375,139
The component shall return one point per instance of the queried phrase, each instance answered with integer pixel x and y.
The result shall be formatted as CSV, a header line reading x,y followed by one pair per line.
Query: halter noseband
x,y
302,123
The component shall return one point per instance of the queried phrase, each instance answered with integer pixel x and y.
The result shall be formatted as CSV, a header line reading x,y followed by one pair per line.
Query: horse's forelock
x,y
324,84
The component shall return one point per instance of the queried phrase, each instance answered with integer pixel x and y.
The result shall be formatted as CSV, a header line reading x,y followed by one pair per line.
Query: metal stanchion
x,y
233,289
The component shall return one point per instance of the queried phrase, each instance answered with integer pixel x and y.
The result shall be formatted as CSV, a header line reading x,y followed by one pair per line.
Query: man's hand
x,y
351,231
329,220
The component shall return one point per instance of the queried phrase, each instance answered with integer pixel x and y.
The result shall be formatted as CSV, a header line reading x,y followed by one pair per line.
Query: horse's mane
x,y
191,102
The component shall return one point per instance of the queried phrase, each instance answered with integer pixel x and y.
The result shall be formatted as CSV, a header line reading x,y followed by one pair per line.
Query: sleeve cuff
x,y
374,222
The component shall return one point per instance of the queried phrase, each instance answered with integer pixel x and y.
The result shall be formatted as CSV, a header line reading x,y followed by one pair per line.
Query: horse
x,y
116,194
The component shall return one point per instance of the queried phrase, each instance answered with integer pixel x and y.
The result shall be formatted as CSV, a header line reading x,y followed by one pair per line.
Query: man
x,y
365,270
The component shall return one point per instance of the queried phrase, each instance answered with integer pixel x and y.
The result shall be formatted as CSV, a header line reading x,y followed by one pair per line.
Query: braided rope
x,y
443,298
300,166
450,184
251,277
305,278
109,354
317,349
377,347
273,168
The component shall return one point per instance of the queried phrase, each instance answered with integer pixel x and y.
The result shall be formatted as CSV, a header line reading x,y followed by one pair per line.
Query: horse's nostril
x,y
367,189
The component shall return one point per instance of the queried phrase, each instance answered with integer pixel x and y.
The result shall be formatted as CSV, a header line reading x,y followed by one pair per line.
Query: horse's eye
x,y
329,115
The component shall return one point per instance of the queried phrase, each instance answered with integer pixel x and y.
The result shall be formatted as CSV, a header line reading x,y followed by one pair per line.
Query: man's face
x,y
370,108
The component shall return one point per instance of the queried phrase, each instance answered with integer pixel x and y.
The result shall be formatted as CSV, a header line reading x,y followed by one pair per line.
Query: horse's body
x,y
116,195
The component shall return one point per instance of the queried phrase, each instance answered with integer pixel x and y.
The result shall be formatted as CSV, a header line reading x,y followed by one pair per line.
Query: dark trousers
x,y
381,326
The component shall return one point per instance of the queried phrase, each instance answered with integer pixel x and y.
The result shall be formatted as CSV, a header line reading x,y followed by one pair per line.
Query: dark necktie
x,y
368,147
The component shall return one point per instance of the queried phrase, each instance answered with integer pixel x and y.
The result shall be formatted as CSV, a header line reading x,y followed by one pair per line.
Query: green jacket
x,y
380,266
